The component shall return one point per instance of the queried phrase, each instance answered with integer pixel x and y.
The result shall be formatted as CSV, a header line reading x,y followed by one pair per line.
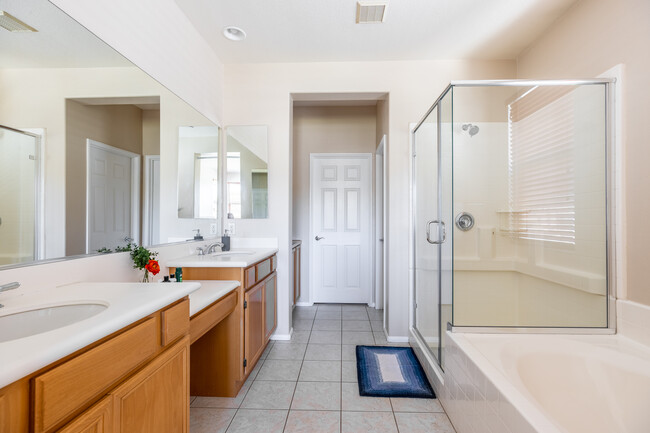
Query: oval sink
x,y
35,321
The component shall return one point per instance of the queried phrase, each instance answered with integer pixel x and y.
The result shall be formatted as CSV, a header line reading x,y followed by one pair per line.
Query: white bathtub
x,y
547,383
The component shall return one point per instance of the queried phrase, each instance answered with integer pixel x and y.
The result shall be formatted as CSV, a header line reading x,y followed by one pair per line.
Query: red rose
x,y
153,266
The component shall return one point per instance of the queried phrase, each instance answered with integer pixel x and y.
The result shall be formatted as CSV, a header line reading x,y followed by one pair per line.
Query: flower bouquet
x,y
144,259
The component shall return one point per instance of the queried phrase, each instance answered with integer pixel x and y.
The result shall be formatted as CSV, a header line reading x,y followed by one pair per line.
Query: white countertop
x,y
127,303
235,258
210,291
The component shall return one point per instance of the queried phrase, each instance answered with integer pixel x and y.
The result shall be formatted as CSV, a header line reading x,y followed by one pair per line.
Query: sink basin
x,y
38,320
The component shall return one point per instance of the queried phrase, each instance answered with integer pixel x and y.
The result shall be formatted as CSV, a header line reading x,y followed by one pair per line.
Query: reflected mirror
x,y
88,144
198,171
247,172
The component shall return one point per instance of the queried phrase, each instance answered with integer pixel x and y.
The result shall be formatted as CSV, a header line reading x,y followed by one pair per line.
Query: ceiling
x,y
60,42
325,30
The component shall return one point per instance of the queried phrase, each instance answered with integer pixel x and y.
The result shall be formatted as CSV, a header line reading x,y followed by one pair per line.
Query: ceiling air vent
x,y
371,12
13,24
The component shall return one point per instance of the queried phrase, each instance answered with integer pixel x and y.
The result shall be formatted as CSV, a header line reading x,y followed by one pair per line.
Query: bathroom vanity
x,y
222,357
125,369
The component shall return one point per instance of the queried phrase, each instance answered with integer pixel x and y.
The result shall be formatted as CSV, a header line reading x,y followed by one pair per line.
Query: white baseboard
x,y
397,339
633,321
282,337
304,304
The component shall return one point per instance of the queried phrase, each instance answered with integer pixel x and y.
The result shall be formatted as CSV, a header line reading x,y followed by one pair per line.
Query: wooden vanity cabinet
x,y
254,337
156,399
133,381
260,319
223,356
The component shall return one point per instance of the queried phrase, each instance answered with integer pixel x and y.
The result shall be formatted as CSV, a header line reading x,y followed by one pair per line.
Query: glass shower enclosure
x,y
19,196
510,210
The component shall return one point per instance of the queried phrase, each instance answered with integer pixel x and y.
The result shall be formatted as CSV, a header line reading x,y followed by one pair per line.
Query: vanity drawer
x,y
66,388
249,277
263,269
175,321
206,319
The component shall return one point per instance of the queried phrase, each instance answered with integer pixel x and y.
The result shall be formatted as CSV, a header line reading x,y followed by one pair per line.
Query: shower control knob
x,y
464,221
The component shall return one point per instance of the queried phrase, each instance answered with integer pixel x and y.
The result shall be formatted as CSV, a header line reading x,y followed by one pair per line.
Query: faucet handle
x,y
200,251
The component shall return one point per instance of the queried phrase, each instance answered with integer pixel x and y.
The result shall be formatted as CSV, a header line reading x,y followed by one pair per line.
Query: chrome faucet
x,y
208,248
8,286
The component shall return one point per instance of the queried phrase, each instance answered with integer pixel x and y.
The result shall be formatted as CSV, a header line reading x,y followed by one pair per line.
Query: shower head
x,y
472,130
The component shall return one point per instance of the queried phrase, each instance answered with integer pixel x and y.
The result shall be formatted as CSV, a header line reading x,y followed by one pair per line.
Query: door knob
x,y
318,238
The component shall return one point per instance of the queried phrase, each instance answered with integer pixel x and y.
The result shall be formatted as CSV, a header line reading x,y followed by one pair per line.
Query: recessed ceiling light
x,y
234,33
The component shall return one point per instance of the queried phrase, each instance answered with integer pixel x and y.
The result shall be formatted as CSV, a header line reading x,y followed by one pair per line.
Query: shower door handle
x,y
444,232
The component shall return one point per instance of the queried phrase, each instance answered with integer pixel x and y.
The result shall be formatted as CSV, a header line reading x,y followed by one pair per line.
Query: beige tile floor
x,y
309,384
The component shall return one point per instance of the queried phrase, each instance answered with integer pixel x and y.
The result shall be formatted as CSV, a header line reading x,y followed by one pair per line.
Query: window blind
x,y
542,166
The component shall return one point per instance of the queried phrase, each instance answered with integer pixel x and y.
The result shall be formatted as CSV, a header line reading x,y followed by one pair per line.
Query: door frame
x,y
147,226
135,187
312,265
380,211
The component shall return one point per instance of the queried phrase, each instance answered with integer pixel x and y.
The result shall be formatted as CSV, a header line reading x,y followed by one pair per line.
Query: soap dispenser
x,y
225,240
198,236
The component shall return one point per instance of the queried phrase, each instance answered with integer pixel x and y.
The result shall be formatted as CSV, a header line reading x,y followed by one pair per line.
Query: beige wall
x,y
324,130
591,38
95,122
150,132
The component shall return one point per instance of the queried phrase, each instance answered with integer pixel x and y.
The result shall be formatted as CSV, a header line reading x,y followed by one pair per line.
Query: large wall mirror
x,y
247,172
88,144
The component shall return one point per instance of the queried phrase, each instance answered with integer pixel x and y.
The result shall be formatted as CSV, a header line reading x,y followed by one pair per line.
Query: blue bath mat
x,y
391,372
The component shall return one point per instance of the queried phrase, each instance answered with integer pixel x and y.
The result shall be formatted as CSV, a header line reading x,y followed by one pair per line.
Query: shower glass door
x,y
18,196
432,252
426,255
445,215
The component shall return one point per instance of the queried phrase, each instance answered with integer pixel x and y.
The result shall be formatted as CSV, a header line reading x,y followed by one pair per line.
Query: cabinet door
x,y
253,326
97,419
270,319
156,399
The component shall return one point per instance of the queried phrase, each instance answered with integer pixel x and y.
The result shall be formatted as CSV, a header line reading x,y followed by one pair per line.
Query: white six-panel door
x,y
110,196
341,227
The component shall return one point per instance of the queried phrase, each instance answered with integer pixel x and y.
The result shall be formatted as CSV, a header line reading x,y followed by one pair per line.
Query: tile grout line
x,y
302,363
